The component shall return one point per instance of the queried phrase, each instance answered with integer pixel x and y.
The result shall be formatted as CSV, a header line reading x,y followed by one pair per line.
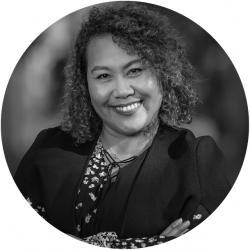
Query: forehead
x,y
102,51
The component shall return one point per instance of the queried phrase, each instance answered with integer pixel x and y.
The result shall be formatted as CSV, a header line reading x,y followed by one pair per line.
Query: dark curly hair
x,y
141,31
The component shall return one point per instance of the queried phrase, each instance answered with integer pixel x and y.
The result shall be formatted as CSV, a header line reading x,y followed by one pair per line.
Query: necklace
x,y
113,155
148,132
114,164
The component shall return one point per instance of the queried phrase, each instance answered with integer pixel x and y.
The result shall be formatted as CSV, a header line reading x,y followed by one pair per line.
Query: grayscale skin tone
x,y
177,228
126,95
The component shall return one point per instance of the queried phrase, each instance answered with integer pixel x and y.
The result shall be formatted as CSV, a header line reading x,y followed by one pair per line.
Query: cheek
x,y
154,94
151,83
153,90
98,95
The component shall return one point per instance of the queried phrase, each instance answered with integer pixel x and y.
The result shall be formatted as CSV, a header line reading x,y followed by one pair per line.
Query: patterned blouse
x,y
97,176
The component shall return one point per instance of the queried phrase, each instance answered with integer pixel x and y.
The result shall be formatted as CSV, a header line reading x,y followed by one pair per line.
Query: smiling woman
x,y
123,91
118,172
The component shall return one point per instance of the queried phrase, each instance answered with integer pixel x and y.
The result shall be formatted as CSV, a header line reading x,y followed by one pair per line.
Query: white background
x,y
22,21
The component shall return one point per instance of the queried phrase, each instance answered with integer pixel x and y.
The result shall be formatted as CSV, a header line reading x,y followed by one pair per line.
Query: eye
x,y
134,72
103,76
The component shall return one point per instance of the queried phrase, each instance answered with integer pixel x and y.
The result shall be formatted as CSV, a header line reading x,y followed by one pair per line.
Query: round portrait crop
x,y
124,125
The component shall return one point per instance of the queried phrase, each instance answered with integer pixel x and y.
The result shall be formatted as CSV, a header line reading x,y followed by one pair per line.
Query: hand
x,y
177,228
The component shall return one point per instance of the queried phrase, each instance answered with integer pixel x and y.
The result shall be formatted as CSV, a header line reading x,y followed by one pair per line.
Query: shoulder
x,y
176,134
178,141
182,136
47,134
53,149
55,137
206,145
182,141
52,136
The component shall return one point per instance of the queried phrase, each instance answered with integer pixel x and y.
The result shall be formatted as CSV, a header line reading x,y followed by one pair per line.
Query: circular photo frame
x,y
125,124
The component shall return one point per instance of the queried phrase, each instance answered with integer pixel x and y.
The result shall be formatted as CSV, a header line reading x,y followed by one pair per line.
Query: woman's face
x,y
123,91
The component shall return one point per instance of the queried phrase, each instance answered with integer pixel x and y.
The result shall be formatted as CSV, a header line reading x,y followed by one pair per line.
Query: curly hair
x,y
141,31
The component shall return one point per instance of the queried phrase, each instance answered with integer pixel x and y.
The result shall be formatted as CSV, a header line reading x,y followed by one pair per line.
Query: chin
x,y
132,129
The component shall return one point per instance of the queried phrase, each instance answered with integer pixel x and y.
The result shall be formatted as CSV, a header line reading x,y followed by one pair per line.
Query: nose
x,y
122,88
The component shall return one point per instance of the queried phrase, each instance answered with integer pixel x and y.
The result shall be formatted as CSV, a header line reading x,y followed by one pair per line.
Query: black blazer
x,y
180,176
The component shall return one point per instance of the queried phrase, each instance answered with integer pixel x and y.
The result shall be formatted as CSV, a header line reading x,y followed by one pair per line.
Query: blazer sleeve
x,y
214,184
27,178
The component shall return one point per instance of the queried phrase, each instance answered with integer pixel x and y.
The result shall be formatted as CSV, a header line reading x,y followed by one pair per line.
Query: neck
x,y
125,146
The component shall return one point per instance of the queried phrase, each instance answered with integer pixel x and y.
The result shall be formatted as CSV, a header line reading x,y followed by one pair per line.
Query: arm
x,y
110,239
214,184
26,176
212,173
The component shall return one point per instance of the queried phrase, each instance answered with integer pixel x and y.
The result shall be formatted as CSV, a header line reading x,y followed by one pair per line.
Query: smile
x,y
128,108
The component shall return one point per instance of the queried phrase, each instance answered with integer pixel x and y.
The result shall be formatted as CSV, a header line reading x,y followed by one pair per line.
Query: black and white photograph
x,y
124,125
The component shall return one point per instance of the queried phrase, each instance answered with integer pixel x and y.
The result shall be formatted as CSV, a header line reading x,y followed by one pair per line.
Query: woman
x,y
118,172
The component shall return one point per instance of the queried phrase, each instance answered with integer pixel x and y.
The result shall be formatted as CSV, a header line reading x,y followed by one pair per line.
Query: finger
x,y
183,226
178,235
175,228
186,230
172,226
179,229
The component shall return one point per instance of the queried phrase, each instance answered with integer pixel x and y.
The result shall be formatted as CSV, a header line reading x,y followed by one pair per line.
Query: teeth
x,y
128,107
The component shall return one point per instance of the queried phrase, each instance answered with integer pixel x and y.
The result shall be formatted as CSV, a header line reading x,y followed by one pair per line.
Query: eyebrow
x,y
124,67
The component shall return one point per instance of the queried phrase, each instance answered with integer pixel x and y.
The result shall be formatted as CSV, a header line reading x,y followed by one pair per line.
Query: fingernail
x,y
176,223
186,223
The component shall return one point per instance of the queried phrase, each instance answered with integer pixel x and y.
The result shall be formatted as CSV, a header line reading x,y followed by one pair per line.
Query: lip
x,y
125,104
132,108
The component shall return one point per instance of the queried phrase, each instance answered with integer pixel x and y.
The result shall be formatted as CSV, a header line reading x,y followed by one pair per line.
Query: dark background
x,y
33,96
